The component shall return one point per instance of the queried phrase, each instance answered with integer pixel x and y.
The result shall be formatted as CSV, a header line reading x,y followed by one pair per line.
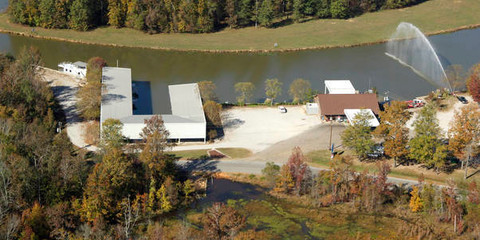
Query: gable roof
x,y
335,104
339,87
117,97
351,113
80,64
186,101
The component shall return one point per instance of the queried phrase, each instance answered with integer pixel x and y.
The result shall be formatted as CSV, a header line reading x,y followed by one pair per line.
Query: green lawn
x,y
434,16
202,153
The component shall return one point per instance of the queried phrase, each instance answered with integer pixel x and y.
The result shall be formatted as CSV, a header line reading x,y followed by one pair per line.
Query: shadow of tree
x,y
107,98
65,96
199,165
230,122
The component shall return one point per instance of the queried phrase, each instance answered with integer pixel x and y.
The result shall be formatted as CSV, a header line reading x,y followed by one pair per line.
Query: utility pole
x,y
330,146
331,133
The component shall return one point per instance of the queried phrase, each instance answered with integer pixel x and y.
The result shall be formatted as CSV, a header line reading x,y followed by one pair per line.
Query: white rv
x,y
77,69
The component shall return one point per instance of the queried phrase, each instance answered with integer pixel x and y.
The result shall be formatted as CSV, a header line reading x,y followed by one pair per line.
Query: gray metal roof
x,y
339,87
116,93
186,101
167,118
80,64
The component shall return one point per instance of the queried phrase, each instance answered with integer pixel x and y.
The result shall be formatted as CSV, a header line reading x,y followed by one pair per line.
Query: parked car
x,y
282,109
415,103
462,99
378,151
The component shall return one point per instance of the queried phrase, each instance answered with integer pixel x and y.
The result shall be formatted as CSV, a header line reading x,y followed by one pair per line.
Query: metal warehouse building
x,y
187,121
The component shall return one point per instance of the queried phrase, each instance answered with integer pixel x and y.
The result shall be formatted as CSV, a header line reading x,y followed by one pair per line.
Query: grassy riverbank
x,y
432,17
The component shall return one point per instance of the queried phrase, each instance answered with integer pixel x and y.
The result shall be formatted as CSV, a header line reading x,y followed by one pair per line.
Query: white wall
x,y
73,70
177,130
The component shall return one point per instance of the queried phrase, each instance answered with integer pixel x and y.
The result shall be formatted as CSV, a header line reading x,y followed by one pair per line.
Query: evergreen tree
x,y
340,9
16,10
111,135
172,11
266,13
310,7
187,13
117,11
426,143
47,13
358,136
61,14
80,15
246,12
205,16
323,9
32,13
297,10
155,17
136,14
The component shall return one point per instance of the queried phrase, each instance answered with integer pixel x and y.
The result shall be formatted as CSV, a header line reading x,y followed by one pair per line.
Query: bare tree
x,y
11,225
245,89
207,91
131,214
222,222
299,90
273,89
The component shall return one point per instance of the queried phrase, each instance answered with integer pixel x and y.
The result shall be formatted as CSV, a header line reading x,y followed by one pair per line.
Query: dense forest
x,y
192,16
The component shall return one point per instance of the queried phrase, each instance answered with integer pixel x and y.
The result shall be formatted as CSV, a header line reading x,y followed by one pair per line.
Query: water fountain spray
x,y
409,46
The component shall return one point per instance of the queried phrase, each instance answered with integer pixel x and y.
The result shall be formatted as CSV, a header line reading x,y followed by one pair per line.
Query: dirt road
x,y
65,89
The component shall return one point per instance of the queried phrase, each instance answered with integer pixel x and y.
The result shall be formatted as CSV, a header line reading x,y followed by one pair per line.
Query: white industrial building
x,y
187,120
77,69
339,87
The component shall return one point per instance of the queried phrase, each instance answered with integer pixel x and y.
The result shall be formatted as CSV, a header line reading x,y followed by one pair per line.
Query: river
x,y
365,66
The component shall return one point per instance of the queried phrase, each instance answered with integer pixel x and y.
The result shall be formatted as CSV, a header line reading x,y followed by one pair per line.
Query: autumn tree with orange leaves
x,y
464,133
154,143
295,175
473,83
393,130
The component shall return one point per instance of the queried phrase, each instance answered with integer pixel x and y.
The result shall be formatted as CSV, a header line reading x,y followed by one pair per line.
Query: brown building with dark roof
x,y
332,106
